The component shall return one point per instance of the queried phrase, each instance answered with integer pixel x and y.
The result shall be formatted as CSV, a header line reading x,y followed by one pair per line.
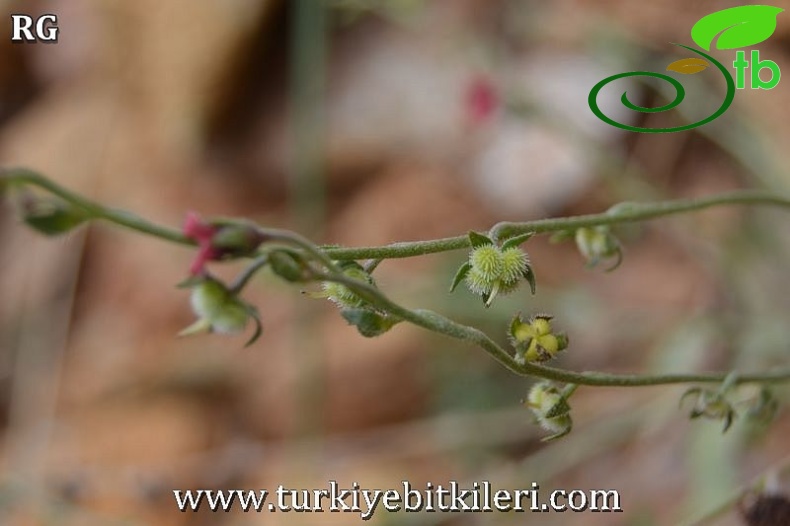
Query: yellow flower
x,y
534,339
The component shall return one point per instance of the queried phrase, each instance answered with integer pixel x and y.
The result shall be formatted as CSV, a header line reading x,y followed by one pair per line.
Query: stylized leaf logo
x,y
738,26
688,66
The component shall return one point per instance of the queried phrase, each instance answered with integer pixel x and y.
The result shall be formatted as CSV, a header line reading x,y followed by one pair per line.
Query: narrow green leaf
x,y
253,312
369,323
51,218
618,259
479,240
728,421
736,27
460,275
516,241
529,275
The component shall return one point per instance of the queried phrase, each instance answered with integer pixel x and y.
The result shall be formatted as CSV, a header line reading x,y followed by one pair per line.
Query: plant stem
x,y
242,279
622,213
23,176
326,257
437,323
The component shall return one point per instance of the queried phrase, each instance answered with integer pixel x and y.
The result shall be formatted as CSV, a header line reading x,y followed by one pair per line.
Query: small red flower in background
x,y
481,100
203,234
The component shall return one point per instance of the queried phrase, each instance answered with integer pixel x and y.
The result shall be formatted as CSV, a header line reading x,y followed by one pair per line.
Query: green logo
x,y
732,28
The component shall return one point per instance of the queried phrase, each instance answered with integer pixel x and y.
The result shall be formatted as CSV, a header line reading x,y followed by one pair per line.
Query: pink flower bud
x,y
202,233
219,240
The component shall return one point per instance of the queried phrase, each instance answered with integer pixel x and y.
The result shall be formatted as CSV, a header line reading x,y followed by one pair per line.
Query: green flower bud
x,y
713,405
597,244
219,310
289,266
212,302
236,239
551,409
231,319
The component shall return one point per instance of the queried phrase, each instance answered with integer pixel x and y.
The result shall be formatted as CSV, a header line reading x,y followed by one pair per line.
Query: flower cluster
x,y
493,270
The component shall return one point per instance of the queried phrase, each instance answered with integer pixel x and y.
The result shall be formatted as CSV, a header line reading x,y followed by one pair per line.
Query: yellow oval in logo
x,y
688,66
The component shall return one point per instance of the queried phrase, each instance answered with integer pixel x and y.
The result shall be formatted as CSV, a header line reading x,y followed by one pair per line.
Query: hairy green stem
x,y
326,257
276,234
628,212
621,213
437,323
242,279
21,177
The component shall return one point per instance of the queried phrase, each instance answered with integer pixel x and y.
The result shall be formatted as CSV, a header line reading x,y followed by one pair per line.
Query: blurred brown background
x,y
367,122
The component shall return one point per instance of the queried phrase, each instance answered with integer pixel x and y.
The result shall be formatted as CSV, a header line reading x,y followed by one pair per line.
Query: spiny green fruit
x,y
339,294
495,271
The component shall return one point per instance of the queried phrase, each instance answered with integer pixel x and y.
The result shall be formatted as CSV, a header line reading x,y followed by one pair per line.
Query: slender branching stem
x,y
439,324
19,177
326,258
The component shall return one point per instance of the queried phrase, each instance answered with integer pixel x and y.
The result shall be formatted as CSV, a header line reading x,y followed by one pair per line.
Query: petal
x,y
197,229
205,253
201,325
